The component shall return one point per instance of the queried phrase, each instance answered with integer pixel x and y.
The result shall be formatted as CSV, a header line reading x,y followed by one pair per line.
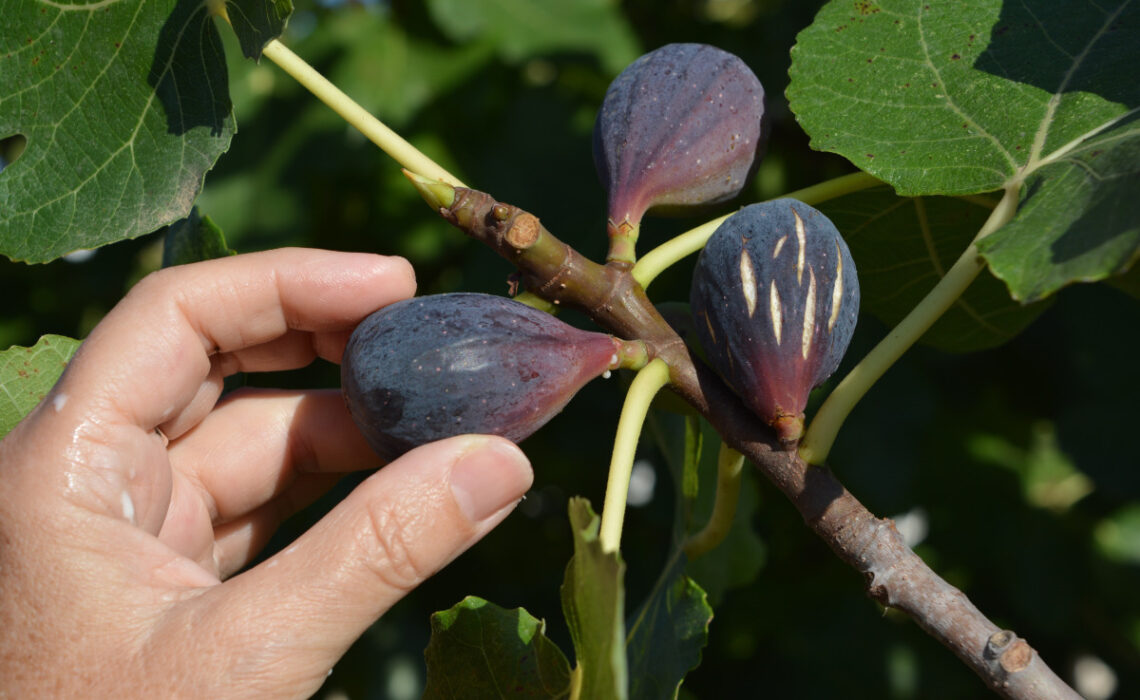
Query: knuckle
x,y
388,545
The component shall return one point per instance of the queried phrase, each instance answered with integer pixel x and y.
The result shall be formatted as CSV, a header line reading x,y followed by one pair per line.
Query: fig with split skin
x,y
681,126
775,298
431,367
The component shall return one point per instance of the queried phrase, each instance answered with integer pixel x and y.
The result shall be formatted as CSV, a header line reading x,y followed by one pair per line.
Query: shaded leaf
x,y
903,246
1079,219
520,29
28,374
958,99
593,601
154,74
740,557
479,650
193,239
667,633
256,22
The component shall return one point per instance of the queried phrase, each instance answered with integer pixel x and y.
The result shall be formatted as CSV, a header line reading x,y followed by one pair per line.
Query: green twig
x,y
389,141
667,254
641,392
729,470
820,435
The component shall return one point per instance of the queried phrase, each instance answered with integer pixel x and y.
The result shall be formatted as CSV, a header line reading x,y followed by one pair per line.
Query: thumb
x,y
307,604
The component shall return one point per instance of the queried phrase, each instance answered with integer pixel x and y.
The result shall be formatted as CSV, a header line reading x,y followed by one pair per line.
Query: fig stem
x,y
534,301
623,242
672,251
373,129
823,429
644,387
729,473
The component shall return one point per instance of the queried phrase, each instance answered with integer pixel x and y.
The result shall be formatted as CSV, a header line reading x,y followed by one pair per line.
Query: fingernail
x,y
489,477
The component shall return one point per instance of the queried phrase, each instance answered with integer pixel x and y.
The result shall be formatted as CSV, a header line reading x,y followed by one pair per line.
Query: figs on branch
x,y
775,299
432,367
682,125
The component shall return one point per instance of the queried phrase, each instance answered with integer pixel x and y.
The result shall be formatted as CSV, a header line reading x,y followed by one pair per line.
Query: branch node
x,y
523,231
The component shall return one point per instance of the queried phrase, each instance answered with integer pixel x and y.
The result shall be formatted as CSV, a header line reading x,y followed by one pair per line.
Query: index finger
x,y
151,354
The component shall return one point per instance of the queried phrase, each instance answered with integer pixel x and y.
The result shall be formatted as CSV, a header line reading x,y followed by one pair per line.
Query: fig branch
x,y
895,576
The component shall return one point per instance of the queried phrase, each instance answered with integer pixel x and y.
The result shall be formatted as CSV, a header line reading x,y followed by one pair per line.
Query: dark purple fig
x,y
680,126
432,367
775,298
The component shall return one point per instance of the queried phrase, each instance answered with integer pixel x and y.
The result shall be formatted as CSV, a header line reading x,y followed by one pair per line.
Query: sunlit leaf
x,y
28,374
937,98
125,106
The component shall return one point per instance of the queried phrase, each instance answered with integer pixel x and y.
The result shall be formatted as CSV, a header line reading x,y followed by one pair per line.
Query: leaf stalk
x,y
373,129
644,387
824,428
729,473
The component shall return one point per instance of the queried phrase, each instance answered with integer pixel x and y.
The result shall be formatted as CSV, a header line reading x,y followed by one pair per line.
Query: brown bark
x,y
895,576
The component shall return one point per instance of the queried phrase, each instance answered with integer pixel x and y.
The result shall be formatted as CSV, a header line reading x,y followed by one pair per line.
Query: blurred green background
x,y
1015,469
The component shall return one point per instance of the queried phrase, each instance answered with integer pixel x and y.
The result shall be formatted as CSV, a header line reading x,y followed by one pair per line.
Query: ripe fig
x,y
435,366
775,299
682,125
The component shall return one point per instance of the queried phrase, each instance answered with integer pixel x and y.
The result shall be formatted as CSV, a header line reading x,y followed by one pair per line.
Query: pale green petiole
x,y
376,131
820,435
665,255
729,471
644,387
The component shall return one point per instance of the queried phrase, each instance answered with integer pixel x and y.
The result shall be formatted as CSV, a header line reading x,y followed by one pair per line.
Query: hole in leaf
x,y
11,148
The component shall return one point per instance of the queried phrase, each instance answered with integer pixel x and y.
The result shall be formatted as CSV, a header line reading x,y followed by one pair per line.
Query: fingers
x,y
260,456
148,359
252,446
159,358
397,528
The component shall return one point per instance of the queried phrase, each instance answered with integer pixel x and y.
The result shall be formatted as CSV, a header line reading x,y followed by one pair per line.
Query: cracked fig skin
x,y
680,126
431,367
775,299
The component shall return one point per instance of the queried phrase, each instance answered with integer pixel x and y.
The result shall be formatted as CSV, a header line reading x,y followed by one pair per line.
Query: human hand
x,y
115,545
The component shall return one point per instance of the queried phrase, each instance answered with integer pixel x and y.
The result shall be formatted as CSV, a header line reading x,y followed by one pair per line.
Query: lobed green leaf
x,y
125,106
936,98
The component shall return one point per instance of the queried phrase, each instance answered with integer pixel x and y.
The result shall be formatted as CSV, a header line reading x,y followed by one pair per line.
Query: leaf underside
x,y
903,246
967,98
